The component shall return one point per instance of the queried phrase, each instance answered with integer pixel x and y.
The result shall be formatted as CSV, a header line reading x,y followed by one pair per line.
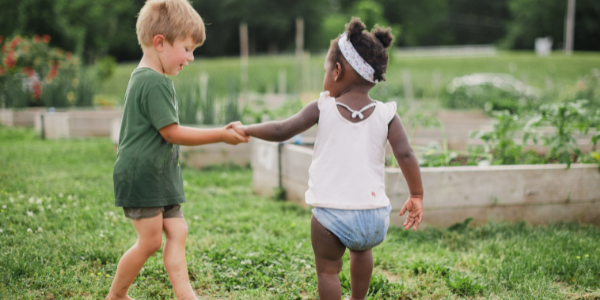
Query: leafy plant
x,y
501,139
58,92
483,96
232,110
208,108
421,267
464,285
86,88
566,118
15,91
188,102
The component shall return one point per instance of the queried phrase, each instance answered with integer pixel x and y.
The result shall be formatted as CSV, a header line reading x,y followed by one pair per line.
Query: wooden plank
x,y
263,182
24,118
215,154
6,117
264,156
583,212
500,185
296,161
56,126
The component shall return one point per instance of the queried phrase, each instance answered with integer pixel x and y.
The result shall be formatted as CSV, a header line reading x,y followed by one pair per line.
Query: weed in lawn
x,y
464,285
379,288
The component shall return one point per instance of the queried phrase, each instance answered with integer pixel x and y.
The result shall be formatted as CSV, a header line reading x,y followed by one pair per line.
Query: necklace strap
x,y
356,113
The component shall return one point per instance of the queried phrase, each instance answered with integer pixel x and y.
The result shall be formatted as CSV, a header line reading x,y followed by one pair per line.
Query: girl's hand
x,y
238,127
414,205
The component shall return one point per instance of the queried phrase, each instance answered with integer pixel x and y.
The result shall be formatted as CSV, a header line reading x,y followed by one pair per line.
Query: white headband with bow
x,y
355,60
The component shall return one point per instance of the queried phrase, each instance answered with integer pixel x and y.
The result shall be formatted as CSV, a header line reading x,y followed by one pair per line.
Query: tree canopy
x,y
97,28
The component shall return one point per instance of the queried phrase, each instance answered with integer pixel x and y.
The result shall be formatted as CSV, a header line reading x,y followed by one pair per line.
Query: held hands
x,y
233,136
414,205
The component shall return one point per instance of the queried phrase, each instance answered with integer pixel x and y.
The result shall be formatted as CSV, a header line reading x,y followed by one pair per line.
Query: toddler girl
x,y
346,178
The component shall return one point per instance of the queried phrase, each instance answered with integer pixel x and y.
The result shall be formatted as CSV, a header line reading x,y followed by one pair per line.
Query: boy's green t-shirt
x,y
147,171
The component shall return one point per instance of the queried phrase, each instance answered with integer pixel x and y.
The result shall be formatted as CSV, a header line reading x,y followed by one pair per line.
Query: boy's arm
x,y
189,136
410,168
279,131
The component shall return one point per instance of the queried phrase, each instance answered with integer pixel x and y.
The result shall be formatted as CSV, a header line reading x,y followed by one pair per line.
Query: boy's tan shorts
x,y
136,213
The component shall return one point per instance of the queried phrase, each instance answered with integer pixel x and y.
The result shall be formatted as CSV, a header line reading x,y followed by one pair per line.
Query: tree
x,y
271,24
89,28
541,18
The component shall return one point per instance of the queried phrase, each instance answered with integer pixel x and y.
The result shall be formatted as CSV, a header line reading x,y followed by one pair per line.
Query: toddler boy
x,y
147,174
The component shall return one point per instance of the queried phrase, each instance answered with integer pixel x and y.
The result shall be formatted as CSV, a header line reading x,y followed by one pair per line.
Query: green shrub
x,y
105,68
86,88
37,66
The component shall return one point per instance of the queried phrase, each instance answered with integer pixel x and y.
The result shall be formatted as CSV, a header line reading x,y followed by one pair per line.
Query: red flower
x,y
1,38
36,38
28,71
15,42
51,74
10,60
46,38
36,86
68,55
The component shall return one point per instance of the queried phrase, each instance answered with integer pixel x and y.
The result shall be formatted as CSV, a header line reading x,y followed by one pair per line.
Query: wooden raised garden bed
x,y
76,123
534,193
21,118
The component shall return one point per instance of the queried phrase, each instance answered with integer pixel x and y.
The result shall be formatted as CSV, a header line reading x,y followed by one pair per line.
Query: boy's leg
x,y
174,257
361,267
149,233
328,259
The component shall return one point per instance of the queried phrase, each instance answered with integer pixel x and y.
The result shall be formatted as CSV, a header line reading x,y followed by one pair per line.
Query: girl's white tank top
x,y
347,169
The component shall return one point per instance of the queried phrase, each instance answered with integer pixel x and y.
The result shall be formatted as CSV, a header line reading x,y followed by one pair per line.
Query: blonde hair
x,y
171,18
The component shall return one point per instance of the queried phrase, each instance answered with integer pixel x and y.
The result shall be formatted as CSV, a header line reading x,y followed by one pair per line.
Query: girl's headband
x,y
355,60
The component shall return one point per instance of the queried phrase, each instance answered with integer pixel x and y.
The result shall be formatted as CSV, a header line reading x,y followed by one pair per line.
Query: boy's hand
x,y
238,127
414,205
231,136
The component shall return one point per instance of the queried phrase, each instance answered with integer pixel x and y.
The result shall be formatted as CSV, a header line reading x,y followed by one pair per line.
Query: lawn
x,y
61,238
556,75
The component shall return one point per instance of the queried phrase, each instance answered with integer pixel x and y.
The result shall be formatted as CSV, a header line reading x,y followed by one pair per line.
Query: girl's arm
x,y
410,168
279,131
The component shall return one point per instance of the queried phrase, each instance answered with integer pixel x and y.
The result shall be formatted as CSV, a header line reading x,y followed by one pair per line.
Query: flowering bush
x,y
28,66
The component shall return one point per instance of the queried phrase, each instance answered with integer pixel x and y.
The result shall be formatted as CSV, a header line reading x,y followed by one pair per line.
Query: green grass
x,y
563,72
242,246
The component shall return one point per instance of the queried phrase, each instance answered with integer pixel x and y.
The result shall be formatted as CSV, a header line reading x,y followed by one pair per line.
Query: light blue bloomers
x,y
358,230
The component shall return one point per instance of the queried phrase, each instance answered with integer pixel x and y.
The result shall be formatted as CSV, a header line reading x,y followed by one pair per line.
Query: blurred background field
x,y
557,74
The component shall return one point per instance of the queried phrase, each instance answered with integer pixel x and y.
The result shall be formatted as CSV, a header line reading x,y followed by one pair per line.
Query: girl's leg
x,y
174,257
149,233
361,267
328,259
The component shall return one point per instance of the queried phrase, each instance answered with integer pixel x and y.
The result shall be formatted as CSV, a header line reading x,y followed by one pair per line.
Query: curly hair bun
x,y
383,35
355,29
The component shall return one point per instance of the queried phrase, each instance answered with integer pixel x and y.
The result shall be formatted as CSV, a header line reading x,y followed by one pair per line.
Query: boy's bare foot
x,y
118,298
